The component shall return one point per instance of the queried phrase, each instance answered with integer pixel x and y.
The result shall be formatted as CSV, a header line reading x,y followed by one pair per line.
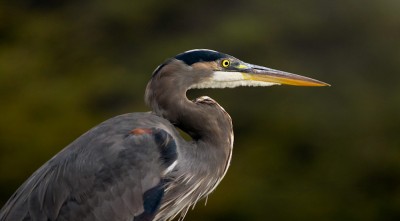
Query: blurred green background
x,y
300,153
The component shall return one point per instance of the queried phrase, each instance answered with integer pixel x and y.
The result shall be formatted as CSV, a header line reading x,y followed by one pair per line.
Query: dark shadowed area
x,y
300,153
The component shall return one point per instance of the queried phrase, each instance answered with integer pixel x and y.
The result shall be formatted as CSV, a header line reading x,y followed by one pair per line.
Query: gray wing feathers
x,y
100,176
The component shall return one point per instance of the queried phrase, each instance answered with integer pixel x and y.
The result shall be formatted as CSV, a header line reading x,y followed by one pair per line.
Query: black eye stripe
x,y
194,56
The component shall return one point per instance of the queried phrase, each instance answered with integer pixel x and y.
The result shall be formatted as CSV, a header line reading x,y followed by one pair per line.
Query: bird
x,y
137,166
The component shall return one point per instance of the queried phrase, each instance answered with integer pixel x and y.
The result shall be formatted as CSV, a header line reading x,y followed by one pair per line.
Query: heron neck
x,y
209,153
210,128
203,119
202,162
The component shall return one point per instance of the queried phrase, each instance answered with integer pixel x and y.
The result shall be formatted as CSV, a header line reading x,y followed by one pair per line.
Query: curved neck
x,y
208,155
204,120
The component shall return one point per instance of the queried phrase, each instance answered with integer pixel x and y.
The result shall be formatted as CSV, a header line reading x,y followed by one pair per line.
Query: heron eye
x,y
225,63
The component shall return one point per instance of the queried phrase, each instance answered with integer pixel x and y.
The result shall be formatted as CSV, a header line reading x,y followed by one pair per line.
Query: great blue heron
x,y
136,166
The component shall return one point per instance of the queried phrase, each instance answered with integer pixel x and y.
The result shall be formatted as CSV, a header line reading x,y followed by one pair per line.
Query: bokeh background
x,y
300,153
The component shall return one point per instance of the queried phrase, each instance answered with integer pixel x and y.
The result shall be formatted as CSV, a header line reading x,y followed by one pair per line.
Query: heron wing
x,y
113,172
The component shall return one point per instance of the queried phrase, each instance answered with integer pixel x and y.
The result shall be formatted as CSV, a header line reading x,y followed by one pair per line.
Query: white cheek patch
x,y
224,76
224,79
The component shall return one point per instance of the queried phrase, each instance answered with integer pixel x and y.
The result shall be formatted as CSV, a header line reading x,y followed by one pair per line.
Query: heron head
x,y
202,68
212,69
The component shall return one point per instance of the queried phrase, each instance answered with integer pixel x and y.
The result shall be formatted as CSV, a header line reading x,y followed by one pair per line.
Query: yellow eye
x,y
225,63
